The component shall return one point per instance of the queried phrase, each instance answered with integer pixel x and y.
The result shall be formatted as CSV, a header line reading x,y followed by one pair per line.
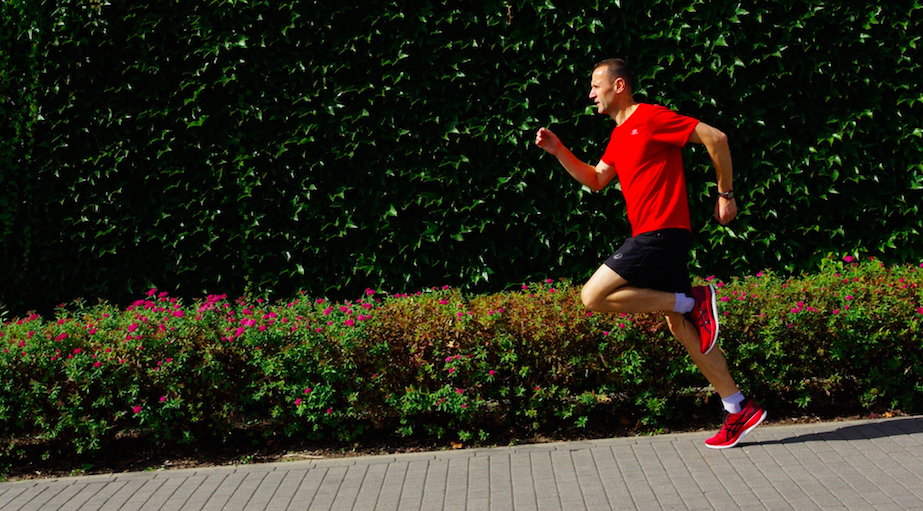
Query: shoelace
x,y
732,426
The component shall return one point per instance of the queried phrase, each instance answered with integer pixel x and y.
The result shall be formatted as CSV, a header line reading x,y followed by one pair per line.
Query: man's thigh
x,y
603,282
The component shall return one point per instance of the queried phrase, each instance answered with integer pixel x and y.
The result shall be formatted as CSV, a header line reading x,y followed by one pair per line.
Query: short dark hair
x,y
618,68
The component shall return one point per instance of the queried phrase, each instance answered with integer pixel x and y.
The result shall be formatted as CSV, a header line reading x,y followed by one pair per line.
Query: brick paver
x,y
868,464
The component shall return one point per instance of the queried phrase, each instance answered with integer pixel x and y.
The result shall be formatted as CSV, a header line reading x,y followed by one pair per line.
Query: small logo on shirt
x,y
634,131
618,256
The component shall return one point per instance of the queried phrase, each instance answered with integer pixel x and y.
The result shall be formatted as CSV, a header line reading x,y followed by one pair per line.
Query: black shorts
x,y
655,260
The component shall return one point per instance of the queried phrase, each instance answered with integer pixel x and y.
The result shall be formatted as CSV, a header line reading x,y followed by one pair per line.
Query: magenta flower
x,y
492,372
298,402
849,259
307,390
919,310
349,322
163,398
329,411
178,314
136,409
132,327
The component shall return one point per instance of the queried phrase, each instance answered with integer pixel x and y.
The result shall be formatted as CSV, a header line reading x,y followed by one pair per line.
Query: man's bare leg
x,y
609,292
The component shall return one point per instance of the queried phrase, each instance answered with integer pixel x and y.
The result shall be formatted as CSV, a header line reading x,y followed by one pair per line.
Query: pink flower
x,y
298,402
919,310
849,297
849,259
163,398
307,390
370,292
464,406
724,298
349,322
178,314
132,327
492,372
451,370
152,292
459,391
329,411
136,409
77,351
97,364
61,337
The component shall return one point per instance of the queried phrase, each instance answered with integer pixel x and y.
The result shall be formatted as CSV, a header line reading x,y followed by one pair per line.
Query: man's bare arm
x,y
716,142
594,178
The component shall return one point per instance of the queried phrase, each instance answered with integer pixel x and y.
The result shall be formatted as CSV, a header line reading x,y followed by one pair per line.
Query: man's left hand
x,y
725,210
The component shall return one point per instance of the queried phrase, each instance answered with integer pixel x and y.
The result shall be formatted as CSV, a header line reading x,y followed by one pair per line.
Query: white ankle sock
x,y
732,403
684,303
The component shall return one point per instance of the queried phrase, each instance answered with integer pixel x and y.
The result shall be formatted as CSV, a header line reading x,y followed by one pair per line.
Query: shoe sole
x,y
742,435
714,318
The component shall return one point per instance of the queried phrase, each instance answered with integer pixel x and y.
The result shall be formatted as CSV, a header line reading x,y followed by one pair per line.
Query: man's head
x,y
611,79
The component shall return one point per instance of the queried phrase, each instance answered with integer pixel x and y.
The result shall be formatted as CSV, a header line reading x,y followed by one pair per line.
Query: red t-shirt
x,y
646,151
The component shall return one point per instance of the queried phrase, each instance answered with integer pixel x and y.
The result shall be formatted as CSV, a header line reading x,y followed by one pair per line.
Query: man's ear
x,y
619,85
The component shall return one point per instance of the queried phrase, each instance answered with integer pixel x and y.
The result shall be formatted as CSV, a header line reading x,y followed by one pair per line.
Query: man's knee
x,y
590,298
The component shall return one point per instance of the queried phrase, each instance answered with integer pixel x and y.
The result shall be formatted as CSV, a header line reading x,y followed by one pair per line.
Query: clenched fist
x,y
547,140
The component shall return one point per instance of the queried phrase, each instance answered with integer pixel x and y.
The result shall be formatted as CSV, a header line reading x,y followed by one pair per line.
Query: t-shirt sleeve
x,y
670,127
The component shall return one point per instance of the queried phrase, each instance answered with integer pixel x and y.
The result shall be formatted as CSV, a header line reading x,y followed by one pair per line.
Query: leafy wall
x,y
269,146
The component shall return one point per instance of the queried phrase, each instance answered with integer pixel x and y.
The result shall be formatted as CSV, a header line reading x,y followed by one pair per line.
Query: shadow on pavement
x,y
896,427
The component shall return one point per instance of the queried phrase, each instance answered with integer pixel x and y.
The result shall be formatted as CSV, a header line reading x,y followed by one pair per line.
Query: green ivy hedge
x,y
270,146
445,365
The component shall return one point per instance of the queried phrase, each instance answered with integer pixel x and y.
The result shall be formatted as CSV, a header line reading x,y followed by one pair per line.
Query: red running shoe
x,y
737,425
704,316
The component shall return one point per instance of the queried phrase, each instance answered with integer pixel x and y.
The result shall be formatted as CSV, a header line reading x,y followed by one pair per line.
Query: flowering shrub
x,y
445,365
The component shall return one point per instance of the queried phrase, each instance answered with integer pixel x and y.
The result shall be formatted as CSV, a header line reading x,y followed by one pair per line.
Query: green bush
x,y
268,146
445,365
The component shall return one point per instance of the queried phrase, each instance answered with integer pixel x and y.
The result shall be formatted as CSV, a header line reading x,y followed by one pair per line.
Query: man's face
x,y
603,90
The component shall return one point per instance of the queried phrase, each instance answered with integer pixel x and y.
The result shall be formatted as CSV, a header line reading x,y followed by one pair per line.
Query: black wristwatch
x,y
726,195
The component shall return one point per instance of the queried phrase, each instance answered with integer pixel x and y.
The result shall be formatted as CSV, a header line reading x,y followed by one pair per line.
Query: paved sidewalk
x,y
870,464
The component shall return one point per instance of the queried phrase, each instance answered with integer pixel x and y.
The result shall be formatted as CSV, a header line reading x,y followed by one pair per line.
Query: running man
x,y
648,273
